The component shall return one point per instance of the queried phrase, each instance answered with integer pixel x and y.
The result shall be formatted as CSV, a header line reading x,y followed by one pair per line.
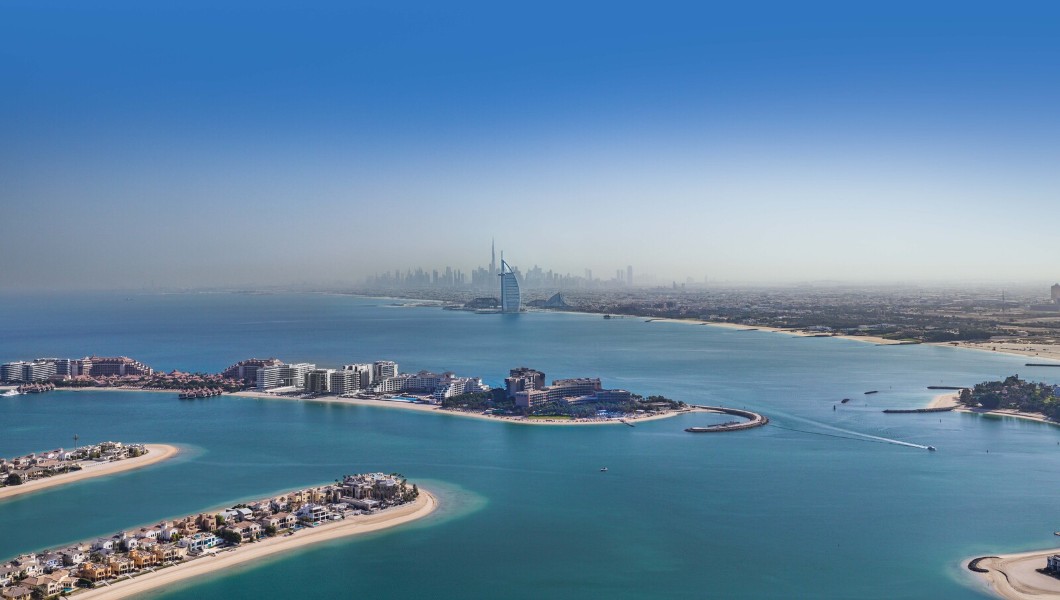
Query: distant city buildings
x,y
1054,293
50,369
485,278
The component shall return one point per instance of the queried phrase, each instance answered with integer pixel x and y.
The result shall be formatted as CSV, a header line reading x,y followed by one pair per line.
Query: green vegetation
x,y
495,399
13,479
232,537
1014,393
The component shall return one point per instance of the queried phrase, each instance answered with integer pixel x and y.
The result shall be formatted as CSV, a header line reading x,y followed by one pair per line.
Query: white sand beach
x,y
1015,576
90,469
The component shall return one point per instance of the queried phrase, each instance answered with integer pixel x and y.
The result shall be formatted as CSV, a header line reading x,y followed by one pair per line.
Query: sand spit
x,y
155,453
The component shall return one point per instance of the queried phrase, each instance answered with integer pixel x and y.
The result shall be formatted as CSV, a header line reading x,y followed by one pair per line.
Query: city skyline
x,y
790,144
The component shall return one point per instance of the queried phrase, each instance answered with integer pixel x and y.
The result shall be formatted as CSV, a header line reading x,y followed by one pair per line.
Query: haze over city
x,y
193,146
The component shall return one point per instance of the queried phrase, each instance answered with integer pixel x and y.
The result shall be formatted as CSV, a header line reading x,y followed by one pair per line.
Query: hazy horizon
x,y
191,146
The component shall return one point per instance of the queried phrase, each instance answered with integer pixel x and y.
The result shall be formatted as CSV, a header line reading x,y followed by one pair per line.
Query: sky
x,y
201,144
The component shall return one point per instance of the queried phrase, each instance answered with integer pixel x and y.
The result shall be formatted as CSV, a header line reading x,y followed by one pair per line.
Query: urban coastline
x,y
1020,323
134,561
524,399
39,471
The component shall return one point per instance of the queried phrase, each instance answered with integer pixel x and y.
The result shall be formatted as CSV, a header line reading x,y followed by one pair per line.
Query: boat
x,y
1056,533
603,469
931,448
844,400
872,392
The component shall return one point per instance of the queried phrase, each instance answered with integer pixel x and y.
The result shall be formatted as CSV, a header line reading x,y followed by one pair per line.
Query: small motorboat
x,y
844,400
603,469
931,448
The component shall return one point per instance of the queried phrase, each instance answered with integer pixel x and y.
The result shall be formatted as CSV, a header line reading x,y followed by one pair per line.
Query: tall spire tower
x,y
493,255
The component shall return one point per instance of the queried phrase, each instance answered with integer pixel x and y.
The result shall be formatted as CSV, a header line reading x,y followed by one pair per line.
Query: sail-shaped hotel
x,y
509,288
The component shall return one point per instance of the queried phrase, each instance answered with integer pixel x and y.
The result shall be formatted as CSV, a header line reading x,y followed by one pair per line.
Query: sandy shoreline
x,y
421,507
1006,412
944,400
869,339
155,453
1045,352
458,413
950,399
1014,576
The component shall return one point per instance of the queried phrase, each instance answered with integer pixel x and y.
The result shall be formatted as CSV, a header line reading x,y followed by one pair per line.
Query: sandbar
x,y
1015,576
90,469
424,505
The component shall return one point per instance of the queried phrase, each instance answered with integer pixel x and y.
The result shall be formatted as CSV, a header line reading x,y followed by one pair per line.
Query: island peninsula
x,y
135,561
40,471
1024,576
524,399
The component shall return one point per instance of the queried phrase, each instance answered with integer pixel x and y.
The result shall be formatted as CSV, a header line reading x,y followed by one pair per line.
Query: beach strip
x,y
432,408
155,453
424,505
1015,576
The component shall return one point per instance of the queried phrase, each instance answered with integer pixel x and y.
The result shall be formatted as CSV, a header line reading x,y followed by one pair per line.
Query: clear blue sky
x,y
187,144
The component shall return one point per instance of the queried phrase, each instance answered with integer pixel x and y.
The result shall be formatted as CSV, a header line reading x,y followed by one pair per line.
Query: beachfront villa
x,y
127,553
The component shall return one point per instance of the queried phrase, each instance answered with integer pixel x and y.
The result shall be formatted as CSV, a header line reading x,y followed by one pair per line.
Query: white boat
x,y
602,469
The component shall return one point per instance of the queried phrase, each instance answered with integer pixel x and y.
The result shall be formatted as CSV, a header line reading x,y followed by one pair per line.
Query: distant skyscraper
x,y
493,256
629,275
1054,293
509,288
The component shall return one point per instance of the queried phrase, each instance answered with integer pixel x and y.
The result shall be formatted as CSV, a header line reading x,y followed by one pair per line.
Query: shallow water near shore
x,y
526,512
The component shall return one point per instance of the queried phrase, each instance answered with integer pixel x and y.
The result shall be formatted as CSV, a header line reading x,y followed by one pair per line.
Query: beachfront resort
x,y
524,395
37,466
132,553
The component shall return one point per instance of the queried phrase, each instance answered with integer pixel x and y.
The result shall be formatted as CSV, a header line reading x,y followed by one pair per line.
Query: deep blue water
x,y
766,513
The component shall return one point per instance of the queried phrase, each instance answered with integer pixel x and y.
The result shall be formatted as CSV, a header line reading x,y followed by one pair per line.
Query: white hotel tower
x,y
509,288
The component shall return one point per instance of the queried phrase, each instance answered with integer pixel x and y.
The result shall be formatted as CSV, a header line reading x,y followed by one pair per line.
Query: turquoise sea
x,y
766,513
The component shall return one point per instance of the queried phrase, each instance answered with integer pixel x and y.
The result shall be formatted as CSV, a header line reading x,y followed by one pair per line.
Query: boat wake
x,y
851,435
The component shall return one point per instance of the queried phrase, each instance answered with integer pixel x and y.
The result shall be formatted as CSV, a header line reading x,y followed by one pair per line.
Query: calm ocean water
x,y
767,513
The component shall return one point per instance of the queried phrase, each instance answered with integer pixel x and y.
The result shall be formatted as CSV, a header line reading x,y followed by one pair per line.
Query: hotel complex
x,y
380,377
509,288
44,369
526,387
